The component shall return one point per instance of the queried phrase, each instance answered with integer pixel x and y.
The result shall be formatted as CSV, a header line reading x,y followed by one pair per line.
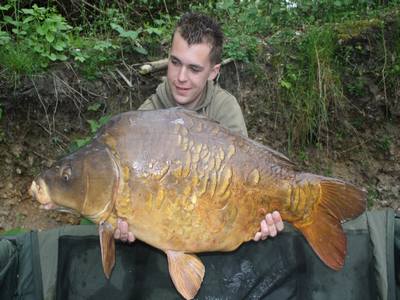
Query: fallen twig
x,y
128,82
157,65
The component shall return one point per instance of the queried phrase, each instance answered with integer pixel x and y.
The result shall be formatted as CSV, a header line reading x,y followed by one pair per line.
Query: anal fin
x,y
186,271
107,245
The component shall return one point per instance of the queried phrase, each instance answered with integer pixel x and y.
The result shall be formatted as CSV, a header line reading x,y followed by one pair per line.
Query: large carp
x,y
185,185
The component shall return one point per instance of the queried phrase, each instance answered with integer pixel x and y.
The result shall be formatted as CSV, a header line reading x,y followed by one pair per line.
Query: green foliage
x,y
310,83
94,127
92,54
132,36
242,22
79,143
84,221
14,231
42,30
372,195
20,59
96,124
383,143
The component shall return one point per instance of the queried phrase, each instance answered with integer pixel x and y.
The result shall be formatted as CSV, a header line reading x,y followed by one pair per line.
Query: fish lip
x,y
49,206
58,208
39,192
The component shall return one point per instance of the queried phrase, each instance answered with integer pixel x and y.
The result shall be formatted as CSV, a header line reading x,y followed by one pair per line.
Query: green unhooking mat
x,y
284,267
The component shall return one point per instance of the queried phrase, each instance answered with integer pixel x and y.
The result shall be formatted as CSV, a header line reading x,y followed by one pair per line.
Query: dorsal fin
x,y
186,271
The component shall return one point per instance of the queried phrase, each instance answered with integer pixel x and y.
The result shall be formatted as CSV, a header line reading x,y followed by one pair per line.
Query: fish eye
x,y
66,173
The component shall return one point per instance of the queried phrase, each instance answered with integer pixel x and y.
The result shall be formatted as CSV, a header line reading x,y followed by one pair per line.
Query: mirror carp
x,y
186,185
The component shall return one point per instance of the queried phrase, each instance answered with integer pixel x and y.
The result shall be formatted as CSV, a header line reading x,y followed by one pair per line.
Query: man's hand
x,y
122,233
270,226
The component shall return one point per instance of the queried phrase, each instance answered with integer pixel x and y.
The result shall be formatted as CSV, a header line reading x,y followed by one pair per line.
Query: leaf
x,y
18,32
102,45
94,106
9,20
133,35
62,57
52,57
41,30
50,37
85,221
140,50
117,27
151,30
104,119
59,45
5,7
94,125
27,11
80,142
285,84
80,58
28,19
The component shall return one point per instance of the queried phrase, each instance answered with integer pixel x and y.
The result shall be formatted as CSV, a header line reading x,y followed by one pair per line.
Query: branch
x,y
161,64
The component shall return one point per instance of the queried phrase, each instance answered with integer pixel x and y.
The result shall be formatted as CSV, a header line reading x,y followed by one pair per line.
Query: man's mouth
x,y
182,90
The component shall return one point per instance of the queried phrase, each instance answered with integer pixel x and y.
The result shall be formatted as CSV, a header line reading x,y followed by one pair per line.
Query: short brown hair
x,y
196,28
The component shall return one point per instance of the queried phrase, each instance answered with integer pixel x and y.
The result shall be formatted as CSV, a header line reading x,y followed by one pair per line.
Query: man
x,y
194,63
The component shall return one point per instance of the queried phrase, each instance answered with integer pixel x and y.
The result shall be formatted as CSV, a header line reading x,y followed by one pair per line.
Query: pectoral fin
x,y
107,245
187,272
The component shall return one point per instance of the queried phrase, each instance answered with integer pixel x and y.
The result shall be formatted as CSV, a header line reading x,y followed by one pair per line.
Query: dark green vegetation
x,y
317,80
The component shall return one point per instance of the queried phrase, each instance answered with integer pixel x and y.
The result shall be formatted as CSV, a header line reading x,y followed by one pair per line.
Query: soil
x,y
44,115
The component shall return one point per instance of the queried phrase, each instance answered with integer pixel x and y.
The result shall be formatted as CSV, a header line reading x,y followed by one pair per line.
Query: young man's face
x,y
189,68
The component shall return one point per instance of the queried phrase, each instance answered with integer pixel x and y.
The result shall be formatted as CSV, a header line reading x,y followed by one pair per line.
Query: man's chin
x,y
182,100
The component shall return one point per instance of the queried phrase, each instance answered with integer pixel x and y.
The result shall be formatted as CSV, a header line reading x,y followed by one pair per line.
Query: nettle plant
x,y
42,29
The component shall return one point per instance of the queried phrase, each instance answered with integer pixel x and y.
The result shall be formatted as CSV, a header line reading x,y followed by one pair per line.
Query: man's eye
x,y
195,70
174,61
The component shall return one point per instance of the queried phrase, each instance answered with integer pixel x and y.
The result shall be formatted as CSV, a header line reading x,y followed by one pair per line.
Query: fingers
x,y
257,237
276,216
131,237
270,226
122,232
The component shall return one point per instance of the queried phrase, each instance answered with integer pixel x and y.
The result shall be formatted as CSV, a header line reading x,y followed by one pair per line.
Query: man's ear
x,y
214,71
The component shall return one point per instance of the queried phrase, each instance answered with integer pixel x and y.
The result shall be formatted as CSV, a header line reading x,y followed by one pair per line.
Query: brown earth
x,y
44,115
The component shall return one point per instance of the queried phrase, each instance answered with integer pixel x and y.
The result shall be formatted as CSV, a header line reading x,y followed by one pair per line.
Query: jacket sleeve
x,y
147,105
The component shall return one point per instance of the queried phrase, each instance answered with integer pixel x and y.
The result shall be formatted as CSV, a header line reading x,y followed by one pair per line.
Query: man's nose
x,y
182,74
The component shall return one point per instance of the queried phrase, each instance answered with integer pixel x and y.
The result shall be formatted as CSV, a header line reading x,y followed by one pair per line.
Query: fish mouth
x,y
49,206
39,192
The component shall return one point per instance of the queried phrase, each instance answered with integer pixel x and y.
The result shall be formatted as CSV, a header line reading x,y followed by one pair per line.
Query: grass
x,y
310,83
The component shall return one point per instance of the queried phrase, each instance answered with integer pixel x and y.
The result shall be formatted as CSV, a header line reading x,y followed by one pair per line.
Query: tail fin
x,y
338,202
